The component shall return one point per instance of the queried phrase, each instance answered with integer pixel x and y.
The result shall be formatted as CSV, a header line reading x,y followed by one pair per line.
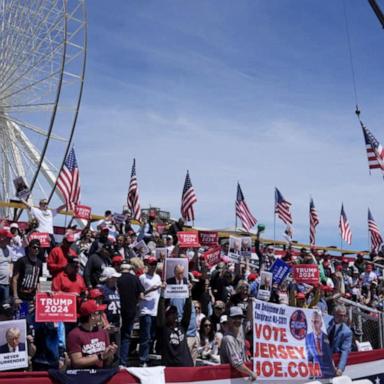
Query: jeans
x,y
147,336
4,293
126,329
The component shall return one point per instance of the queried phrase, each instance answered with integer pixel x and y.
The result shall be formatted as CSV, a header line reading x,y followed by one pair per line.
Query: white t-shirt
x,y
148,305
45,219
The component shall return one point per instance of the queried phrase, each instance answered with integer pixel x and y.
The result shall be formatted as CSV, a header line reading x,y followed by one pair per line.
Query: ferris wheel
x,y
43,46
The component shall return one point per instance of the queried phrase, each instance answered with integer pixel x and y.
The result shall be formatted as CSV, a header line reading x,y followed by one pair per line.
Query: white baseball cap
x,y
108,273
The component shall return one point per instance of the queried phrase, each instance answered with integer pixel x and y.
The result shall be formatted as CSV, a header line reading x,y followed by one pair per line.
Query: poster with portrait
x,y
13,345
141,249
162,253
21,188
265,287
246,247
234,249
176,278
290,344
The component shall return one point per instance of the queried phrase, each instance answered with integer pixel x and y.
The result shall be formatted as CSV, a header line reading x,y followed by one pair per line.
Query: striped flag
x,y
68,181
313,222
376,239
188,198
243,212
375,151
345,229
133,195
282,208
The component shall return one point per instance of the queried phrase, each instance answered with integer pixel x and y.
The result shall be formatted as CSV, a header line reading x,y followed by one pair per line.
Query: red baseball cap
x,y
252,277
118,259
300,295
5,234
95,293
151,260
196,274
89,307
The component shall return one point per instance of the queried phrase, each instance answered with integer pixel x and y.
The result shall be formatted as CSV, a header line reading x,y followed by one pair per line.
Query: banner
x,y
188,239
45,240
290,344
13,345
306,273
55,307
208,238
212,256
82,212
280,271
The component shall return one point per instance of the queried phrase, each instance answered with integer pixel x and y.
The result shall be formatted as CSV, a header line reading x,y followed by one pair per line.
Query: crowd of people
x,y
124,317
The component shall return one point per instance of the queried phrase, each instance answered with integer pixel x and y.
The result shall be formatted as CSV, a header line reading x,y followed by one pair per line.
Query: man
x,y
96,263
130,288
178,277
232,349
340,337
149,301
218,311
318,348
69,280
5,264
58,257
88,346
368,276
12,336
26,273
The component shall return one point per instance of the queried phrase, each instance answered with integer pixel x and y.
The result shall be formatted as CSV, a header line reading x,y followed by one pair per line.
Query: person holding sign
x,y
232,349
88,346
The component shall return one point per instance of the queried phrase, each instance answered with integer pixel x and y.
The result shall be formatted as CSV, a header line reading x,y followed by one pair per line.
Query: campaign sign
x,y
56,307
233,257
176,277
45,240
280,271
160,228
22,190
265,287
119,218
13,345
188,239
208,238
82,212
212,256
290,344
306,273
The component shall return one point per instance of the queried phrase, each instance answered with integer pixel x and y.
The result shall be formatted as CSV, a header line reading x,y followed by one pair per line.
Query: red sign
x,y
306,273
188,239
208,238
45,240
82,212
161,228
55,307
212,256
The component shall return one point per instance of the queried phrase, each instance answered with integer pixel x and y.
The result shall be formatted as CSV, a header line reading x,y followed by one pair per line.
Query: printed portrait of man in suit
x,y
318,347
179,276
12,336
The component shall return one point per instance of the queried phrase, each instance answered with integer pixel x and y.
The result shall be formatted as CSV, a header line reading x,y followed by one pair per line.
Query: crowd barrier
x,y
360,365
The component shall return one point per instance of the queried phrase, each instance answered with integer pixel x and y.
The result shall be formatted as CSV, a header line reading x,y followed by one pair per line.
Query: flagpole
x,y
274,222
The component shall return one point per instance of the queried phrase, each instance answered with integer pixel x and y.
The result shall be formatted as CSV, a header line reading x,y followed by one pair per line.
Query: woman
x,y
199,315
205,338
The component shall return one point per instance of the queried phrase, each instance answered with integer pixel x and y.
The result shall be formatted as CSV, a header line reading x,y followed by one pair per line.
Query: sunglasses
x,y
35,247
207,325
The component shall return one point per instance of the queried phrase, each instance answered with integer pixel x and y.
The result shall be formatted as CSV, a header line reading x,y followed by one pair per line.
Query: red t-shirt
x,y
88,342
61,282
57,260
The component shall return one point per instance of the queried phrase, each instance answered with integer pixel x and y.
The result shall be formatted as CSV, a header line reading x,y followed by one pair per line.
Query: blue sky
x,y
253,91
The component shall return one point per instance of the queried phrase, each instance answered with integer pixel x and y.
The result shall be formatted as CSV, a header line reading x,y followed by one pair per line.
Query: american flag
x,y
68,181
282,207
313,222
133,195
376,239
345,229
243,212
188,198
375,151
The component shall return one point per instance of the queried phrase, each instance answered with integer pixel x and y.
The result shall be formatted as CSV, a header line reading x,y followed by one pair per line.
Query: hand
x,y
17,301
253,376
339,372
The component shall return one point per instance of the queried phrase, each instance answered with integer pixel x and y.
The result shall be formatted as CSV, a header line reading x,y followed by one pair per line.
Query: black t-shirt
x,y
29,272
129,289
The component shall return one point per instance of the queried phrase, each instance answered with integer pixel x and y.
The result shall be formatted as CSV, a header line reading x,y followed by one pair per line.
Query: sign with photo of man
x,y
13,345
265,287
176,278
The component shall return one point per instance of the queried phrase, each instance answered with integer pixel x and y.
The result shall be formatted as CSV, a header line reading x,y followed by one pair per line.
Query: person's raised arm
x,y
187,313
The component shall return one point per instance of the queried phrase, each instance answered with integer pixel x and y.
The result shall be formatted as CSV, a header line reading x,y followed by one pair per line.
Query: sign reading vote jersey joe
x,y
306,273
290,344
56,307
13,345
188,239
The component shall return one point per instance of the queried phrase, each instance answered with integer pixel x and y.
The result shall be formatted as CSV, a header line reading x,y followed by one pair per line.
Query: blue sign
x,y
279,271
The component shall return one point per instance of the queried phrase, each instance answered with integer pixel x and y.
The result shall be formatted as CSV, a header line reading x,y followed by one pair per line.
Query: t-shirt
x,y
63,283
88,342
112,301
45,219
149,305
5,259
129,289
232,350
29,272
